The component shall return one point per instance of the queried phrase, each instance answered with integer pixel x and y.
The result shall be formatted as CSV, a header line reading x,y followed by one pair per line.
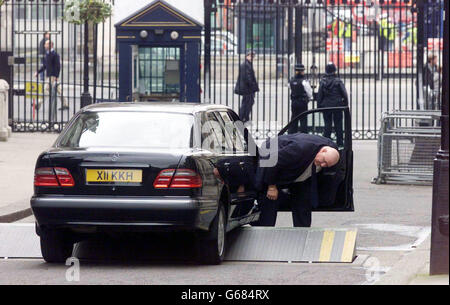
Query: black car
x,y
153,167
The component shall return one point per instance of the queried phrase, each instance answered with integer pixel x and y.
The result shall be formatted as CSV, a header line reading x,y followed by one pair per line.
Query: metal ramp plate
x,y
19,241
292,245
244,244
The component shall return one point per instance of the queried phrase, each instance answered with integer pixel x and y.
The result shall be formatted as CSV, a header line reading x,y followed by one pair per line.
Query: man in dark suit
x,y
300,158
332,93
43,51
247,86
52,66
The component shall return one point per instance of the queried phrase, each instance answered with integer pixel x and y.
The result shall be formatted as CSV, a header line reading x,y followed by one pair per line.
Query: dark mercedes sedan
x,y
159,167
129,166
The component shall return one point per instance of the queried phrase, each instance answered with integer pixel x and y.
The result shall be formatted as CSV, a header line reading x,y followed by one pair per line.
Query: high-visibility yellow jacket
x,y
344,29
411,35
387,29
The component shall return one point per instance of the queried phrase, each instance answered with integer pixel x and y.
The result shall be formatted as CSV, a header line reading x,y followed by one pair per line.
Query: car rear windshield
x,y
129,129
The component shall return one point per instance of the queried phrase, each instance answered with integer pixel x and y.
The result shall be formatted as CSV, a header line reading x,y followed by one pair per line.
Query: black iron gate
x,y
378,47
24,24
381,49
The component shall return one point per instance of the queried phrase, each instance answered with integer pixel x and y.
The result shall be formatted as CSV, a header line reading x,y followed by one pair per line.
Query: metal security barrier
x,y
407,145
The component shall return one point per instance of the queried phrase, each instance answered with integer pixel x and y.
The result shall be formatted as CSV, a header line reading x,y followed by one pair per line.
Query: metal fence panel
x,y
407,145
374,44
24,24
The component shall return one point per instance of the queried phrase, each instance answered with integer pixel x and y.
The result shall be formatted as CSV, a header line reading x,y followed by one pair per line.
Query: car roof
x,y
171,107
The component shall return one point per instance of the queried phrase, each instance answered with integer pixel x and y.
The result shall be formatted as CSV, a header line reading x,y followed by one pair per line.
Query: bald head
x,y
327,157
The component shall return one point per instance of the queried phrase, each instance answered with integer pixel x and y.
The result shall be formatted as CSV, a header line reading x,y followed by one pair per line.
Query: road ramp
x,y
247,244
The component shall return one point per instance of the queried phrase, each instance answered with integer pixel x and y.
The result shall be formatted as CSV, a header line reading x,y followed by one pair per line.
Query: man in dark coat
x,y
43,51
246,86
52,66
332,93
301,94
300,158
52,62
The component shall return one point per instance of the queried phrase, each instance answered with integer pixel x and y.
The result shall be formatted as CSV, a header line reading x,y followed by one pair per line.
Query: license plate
x,y
113,176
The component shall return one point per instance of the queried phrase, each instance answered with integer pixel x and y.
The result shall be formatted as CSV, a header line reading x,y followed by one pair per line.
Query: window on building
x,y
159,70
260,34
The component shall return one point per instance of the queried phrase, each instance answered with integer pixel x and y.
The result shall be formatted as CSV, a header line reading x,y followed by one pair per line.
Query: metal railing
x,y
407,145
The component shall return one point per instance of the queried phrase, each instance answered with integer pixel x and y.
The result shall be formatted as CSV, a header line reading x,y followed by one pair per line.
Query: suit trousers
x,y
246,107
335,117
297,109
298,199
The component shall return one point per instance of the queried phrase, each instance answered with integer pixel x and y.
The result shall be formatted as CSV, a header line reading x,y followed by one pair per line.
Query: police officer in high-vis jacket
x,y
301,94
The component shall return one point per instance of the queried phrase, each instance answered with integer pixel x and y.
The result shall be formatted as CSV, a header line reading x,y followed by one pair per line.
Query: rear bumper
x,y
125,213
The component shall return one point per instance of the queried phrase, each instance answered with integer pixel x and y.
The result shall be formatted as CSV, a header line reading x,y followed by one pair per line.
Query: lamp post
x,y
86,98
439,255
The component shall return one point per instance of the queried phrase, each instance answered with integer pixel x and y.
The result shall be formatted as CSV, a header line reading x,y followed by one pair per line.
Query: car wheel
x,y
212,245
56,246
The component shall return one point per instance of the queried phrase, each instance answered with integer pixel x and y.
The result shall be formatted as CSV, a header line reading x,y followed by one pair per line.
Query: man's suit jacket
x,y
295,152
51,64
246,83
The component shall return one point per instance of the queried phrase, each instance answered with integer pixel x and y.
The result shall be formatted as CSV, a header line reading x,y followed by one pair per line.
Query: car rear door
x,y
240,166
335,185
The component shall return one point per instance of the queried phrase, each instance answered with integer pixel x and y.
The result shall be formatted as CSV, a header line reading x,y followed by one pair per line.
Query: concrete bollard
x,y
5,130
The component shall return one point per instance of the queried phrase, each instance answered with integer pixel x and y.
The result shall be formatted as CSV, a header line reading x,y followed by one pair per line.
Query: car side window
x,y
213,135
232,133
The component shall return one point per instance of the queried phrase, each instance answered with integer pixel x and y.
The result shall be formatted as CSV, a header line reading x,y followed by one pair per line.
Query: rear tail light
x,y
186,178
180,178
163,179
53,177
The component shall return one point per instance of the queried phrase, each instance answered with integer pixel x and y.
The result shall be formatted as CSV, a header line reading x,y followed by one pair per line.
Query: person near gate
x,y
343,30
43,52
247,86
430,86
388,33
332,93
301,94
52,66
300,158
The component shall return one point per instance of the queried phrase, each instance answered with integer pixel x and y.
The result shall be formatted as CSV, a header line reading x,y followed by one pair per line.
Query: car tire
x,y
211,246
56,246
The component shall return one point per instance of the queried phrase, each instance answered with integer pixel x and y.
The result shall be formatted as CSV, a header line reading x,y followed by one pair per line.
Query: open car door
x,y
335,185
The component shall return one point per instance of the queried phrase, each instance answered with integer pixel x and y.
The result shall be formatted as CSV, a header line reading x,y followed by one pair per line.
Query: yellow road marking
x,y
327,246
349,246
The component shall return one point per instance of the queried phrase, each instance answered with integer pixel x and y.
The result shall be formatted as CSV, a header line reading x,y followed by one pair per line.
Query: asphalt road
x,y
392,221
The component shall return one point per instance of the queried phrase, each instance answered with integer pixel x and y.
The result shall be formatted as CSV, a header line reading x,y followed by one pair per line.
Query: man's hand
x,y
272,192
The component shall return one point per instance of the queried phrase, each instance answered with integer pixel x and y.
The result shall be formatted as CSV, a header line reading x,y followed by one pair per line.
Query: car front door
x,y
335,185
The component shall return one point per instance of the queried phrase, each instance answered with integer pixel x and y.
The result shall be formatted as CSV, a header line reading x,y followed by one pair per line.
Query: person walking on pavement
x,y
246,86
301,94
332,93
43,52
52,66
300,158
